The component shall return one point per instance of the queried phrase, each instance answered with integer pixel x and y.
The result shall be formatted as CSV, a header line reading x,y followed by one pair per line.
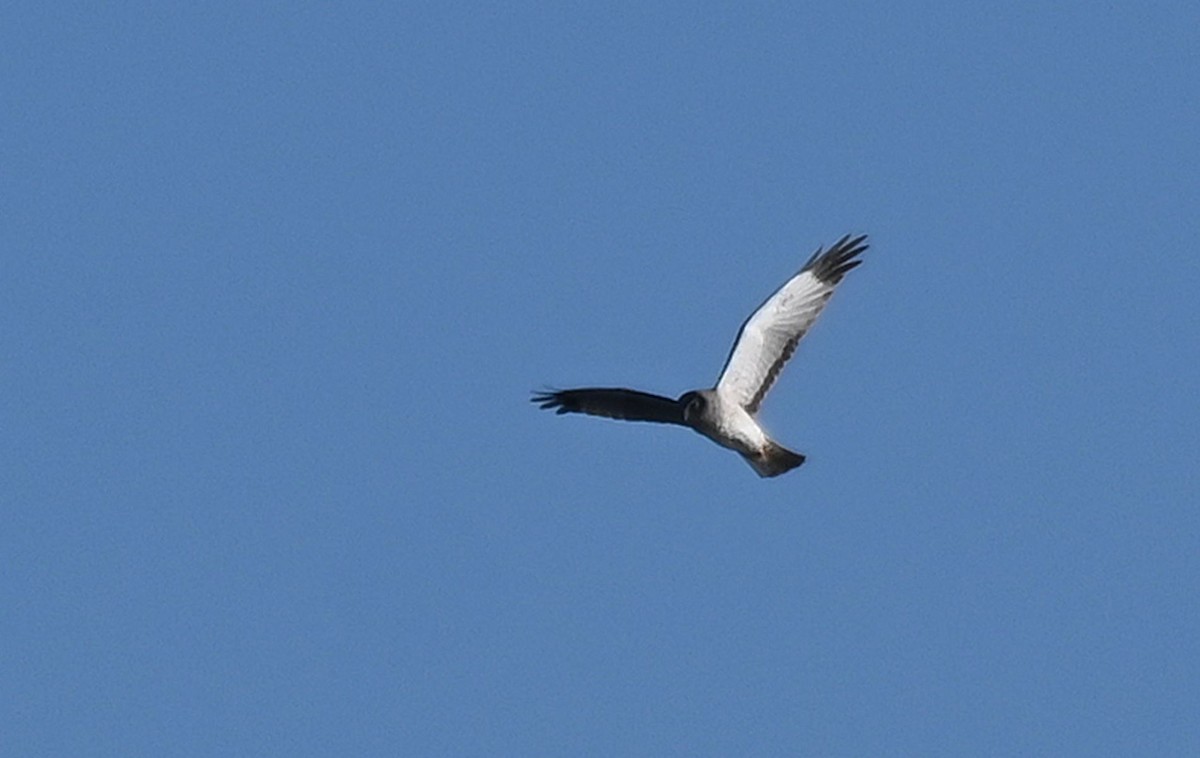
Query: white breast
x,y
729,425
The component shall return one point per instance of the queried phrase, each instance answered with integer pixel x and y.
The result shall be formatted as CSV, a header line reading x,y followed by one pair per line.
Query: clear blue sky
x,y
277,282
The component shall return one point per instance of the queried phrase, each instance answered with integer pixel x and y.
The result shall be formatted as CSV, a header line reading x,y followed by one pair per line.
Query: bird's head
x,y
694,405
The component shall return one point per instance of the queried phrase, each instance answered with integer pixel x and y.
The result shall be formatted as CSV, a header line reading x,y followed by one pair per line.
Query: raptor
x,y
727,412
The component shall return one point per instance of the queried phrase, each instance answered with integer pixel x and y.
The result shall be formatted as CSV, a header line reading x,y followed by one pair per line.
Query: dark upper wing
x,y
628,405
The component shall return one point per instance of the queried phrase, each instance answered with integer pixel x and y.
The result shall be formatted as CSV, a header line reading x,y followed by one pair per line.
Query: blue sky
x,y
277,282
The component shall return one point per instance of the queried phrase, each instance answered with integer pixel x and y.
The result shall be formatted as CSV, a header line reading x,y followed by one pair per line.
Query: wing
x,y
769,337
628,405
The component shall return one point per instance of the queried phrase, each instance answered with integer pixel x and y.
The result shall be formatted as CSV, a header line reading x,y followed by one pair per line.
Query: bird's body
x,y
725,423
726,413
729,425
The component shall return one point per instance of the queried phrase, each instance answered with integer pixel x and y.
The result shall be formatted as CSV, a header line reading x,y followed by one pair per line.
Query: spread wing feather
x,y
769,337
611,402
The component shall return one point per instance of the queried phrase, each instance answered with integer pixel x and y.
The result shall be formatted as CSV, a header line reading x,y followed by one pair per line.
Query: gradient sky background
x,y
278,280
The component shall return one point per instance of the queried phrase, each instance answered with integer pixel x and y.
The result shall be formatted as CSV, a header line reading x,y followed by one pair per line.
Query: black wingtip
x,y
549,400
831,265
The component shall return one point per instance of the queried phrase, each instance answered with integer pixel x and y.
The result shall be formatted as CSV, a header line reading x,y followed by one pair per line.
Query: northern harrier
x,y
725,413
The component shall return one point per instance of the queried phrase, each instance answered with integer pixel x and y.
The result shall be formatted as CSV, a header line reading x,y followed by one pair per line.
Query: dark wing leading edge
x,y
611,402
769,337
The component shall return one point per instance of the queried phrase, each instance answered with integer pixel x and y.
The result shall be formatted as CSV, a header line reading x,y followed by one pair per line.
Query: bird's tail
x,y
774,460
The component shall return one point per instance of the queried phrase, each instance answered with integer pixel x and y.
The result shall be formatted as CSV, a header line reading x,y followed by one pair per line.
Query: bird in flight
x,y
726,413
